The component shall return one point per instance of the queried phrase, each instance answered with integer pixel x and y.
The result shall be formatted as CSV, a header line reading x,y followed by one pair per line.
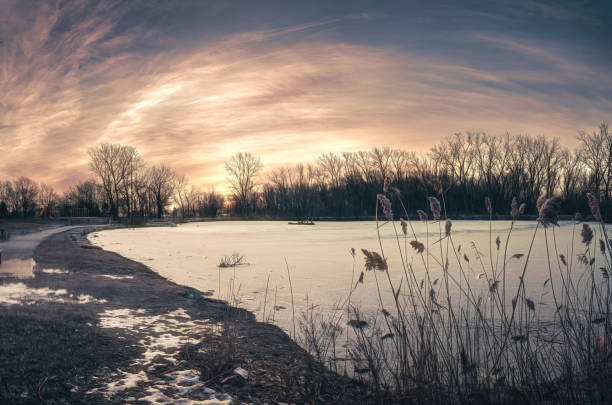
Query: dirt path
x,y
94,327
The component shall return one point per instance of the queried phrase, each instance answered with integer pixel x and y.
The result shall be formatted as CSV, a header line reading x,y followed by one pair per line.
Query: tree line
x,y
462,170
122,185
130,187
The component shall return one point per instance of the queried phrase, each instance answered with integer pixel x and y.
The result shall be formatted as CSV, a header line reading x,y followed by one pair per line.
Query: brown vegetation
x,y
441,339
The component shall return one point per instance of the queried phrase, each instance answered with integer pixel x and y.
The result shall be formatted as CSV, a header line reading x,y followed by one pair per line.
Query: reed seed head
x,y
549,210
434,206
386,206
540,202
418,246
587,234
530,304
594,206
374,261
422,215
514,210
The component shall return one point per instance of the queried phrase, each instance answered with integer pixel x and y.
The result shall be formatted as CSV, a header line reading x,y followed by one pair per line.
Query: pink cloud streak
x,y
193,108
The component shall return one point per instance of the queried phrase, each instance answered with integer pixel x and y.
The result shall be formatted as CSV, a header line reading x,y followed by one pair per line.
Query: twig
x,y
40,387
291,289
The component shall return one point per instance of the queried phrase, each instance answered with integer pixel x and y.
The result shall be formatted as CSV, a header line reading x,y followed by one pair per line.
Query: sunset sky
x,y
189,83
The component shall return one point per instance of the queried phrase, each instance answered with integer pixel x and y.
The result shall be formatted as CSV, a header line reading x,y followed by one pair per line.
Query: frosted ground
x,y
321,264
160,336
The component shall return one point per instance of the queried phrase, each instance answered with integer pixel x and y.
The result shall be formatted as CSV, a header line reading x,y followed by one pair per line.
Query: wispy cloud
x,y
73,77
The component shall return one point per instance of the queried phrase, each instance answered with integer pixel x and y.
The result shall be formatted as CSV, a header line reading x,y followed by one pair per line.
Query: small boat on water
x,y
302,223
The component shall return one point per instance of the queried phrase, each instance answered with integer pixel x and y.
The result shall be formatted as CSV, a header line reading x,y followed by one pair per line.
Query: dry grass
x,y
441,340
233,260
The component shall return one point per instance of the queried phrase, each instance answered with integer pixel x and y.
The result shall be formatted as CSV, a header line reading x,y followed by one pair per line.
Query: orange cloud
x,y
193,108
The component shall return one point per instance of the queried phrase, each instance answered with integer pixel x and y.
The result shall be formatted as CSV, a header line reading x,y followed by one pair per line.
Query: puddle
x,y
164,336
18,268
25,268
20,294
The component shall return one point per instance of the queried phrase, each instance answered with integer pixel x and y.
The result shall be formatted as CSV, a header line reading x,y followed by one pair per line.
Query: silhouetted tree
x,y
161,184
463,169
118,167
243,169
595,151
88,195
47,199
25,193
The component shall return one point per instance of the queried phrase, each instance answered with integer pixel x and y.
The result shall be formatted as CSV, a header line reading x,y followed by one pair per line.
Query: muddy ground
x,y
105,340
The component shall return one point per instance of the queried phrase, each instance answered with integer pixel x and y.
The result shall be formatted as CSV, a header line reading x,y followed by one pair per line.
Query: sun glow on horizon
x,y
287,92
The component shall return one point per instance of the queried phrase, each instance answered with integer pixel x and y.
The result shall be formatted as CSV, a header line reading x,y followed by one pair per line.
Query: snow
x,y
241,372
115,277
128,380
54,271
319,259
165,334
20,294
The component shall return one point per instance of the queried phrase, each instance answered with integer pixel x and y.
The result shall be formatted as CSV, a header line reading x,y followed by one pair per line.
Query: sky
x,y
190,83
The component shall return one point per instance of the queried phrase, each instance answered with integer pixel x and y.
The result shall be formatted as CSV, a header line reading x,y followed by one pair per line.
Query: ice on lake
x,y
321,265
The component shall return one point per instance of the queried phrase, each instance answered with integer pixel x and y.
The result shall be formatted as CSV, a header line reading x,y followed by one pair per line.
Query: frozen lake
x,y
321,265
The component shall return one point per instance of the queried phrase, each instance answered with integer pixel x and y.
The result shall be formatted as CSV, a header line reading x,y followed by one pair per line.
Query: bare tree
x,y
5,195
208,204
181,193
47,199
243,169
10,198
553,155
595,150
132,170
333,167
115,166
400,161
25,193
87,195
463,169
571,169
381,161
105,162
161,184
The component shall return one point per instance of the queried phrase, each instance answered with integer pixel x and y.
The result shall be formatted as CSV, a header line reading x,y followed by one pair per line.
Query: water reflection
x,y
19,268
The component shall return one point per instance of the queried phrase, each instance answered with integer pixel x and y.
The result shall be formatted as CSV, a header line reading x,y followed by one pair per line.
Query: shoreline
x,y
458,217
73,356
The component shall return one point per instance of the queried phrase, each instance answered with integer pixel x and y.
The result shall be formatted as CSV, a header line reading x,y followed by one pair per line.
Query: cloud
x,y
74,77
